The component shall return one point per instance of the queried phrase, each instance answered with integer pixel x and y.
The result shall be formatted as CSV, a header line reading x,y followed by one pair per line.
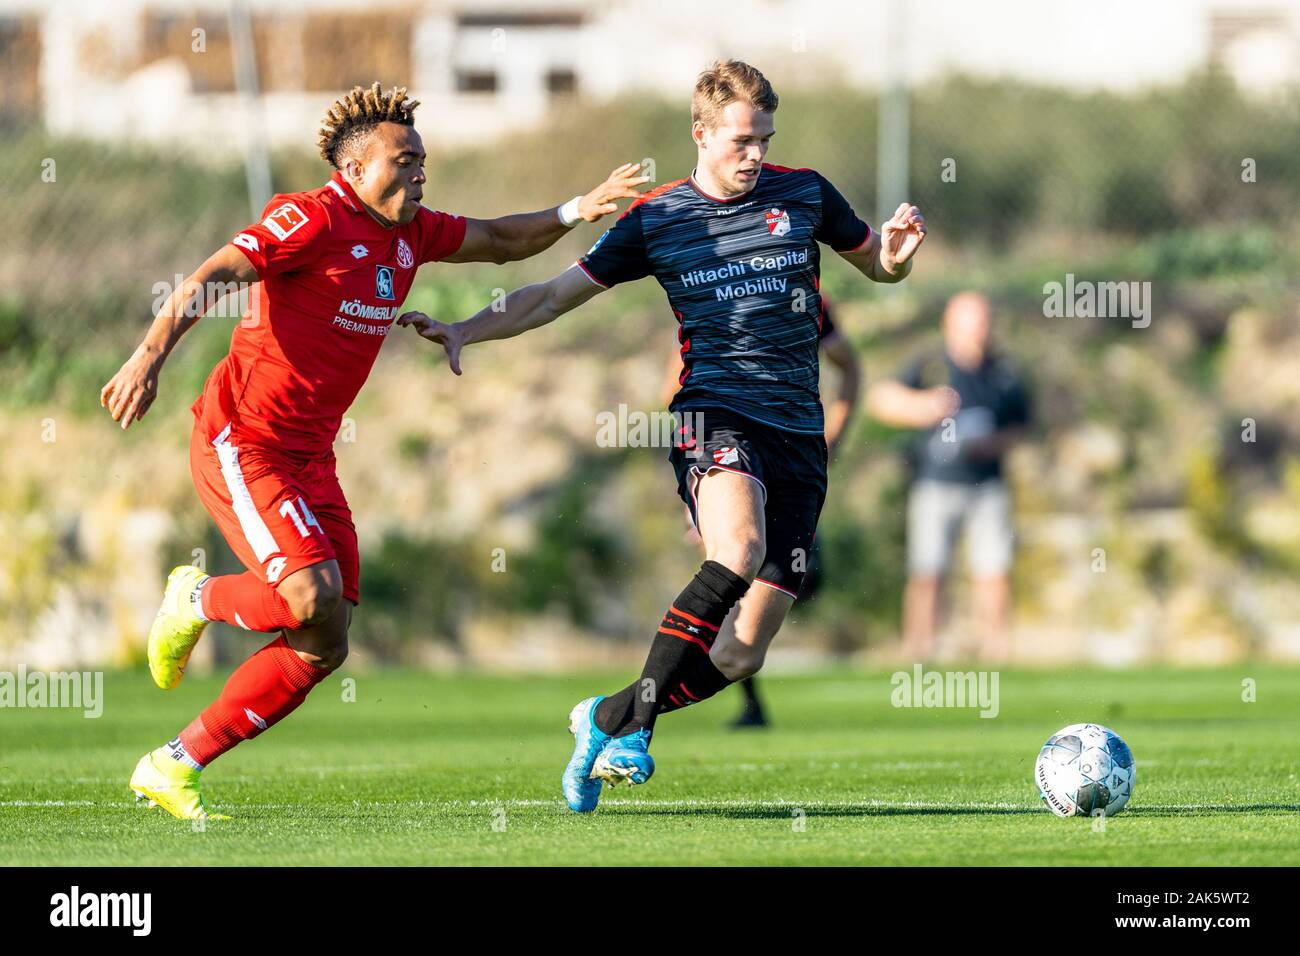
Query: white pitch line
x,y
746,804
557,802
689,804
615,802
807,805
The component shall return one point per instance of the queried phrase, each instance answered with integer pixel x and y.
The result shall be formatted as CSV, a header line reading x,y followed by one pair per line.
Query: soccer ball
x,y
1084,770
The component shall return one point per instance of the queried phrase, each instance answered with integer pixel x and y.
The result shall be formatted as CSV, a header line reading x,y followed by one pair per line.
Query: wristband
x,y
569,212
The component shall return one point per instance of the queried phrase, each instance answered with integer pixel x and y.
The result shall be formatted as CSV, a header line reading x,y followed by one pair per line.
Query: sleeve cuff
x,y
254,258
865,240
587,273
461,225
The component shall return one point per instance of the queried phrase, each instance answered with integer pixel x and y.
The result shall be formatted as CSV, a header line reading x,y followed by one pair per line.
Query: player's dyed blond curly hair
x,y
352,117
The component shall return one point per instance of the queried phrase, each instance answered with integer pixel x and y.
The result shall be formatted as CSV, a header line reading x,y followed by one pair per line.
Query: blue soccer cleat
x,y
581,790
626,759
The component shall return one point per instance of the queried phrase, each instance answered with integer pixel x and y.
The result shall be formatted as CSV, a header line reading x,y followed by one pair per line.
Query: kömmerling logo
x,y
103,909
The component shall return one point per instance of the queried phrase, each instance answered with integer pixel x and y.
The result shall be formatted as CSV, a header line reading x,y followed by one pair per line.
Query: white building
x,y
161,70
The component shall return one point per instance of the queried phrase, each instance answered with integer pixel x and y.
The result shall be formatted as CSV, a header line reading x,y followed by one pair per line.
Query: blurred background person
x,y
837,349
968,406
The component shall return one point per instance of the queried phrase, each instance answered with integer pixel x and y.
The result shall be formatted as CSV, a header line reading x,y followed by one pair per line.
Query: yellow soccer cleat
x,y
177,628
168,783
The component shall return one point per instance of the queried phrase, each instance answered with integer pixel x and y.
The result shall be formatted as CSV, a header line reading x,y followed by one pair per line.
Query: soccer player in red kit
x,y
332,266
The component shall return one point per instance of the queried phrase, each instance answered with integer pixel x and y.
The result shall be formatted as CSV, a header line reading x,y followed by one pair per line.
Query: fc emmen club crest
x,y
778,222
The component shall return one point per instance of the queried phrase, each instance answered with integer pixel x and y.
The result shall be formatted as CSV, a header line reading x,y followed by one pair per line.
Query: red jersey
x,y
332,282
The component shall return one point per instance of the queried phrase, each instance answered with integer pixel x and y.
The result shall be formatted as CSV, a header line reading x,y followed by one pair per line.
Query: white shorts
x,y
937,511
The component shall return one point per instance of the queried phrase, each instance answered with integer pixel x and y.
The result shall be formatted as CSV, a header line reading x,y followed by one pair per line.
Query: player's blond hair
x,y
727,81
351,117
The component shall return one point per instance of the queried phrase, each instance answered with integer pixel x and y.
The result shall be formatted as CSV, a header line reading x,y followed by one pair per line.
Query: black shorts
x,y
790,467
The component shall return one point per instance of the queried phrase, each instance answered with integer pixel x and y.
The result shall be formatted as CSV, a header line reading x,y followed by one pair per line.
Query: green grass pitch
x,y
426,769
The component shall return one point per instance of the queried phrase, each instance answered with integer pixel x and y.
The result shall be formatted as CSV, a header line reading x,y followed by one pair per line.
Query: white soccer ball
x,y
1084,770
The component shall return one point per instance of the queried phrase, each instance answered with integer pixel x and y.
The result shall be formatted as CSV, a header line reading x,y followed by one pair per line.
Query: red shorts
x,y
278,517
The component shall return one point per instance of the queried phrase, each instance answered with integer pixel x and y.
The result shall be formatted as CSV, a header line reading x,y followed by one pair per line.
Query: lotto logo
x,y
285,220
726,456
778,222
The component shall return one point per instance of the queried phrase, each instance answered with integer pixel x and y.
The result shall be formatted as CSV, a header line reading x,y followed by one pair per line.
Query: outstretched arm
x,y
887,255
902,406
526,308
511,238
130,392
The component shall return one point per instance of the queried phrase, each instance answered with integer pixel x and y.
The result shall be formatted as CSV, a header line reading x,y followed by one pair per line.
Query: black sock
x,y
751,691
686,632
696,680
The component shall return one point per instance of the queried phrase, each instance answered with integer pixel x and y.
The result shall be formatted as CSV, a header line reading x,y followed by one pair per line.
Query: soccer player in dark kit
x,y
735,247
839,351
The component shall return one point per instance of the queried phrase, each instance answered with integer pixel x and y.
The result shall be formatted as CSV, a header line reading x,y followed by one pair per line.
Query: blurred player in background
x,y
969,406
332,265
839,351
735,248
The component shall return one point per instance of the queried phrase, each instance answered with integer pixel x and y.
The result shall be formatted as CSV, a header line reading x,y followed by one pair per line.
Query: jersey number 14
x,y
287,510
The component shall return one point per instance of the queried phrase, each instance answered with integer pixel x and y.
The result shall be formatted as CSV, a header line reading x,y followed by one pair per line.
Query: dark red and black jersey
x,y
743,278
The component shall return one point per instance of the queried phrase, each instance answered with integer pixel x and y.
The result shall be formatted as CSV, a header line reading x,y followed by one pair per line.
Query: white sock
x,y
176,750
196,599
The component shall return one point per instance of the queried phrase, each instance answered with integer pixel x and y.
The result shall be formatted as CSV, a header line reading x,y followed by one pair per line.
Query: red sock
x,y
262,690
246,601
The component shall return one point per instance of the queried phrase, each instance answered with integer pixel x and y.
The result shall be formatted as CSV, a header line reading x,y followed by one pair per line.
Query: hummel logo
x,y
359,251
261,724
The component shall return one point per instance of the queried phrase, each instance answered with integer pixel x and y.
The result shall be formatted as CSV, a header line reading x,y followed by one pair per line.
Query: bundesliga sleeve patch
x,y
285,220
